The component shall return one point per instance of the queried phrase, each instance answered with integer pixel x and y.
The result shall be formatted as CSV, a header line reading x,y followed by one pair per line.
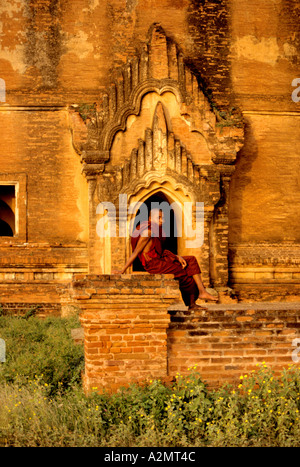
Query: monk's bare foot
x,y
207,296
195,307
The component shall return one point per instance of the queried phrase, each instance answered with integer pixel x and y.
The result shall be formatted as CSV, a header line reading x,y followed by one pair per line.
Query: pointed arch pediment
x,y
158,155
158,68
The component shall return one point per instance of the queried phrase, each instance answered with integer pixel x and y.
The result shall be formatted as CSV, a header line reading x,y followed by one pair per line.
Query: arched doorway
x,y
154,201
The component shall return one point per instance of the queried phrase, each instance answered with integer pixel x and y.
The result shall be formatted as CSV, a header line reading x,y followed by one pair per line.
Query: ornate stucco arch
x,y
161,147
175,195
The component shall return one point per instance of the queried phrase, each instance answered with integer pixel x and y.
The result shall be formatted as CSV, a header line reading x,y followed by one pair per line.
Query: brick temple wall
x,y
229,340
245,54
125,323
136,328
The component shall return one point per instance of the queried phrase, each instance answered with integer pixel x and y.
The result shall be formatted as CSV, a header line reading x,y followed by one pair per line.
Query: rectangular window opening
x,y
8,212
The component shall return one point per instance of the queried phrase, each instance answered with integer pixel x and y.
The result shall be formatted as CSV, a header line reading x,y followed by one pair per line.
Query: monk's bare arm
x,y
141,244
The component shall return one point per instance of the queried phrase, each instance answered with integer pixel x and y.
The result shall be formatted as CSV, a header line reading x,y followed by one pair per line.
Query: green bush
x,y
261,411
36,346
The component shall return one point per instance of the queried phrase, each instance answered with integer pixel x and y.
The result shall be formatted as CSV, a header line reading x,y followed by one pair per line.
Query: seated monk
x,y
147,244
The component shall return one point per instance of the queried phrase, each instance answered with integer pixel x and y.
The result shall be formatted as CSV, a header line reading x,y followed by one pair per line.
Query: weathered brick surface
x,y
44,296
40,309
226,341
125,334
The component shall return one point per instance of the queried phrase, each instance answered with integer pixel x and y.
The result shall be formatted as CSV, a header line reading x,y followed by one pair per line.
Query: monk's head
x,y
156,216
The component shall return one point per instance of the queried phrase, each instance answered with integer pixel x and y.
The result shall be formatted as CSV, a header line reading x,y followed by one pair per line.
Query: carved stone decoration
x,y
161,155
158,68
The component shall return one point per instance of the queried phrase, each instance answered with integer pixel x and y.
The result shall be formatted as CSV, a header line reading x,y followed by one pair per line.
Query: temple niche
x,y
153,135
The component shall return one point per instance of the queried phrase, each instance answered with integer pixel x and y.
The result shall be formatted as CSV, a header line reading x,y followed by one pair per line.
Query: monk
x,y
147,244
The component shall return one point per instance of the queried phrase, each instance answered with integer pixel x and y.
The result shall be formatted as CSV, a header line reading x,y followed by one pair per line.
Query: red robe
x,y
160,261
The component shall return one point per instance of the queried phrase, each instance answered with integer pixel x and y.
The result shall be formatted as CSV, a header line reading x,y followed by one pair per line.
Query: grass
x,y
43,404
44,347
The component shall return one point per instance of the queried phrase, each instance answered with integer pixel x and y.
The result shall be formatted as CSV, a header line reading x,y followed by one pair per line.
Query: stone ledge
x,y
160,288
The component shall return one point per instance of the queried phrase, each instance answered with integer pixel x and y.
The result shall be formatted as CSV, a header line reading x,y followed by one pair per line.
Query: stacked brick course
x,y
125,323
227,341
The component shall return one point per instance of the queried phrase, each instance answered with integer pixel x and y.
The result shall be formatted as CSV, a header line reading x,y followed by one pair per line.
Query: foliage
x,y
44,347
86,111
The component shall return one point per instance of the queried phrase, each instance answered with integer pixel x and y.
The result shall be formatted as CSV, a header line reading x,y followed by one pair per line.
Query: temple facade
x,y
107,105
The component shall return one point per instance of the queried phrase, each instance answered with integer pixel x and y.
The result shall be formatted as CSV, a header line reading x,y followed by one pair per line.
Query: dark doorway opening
x,y
171,231
5,229
7,210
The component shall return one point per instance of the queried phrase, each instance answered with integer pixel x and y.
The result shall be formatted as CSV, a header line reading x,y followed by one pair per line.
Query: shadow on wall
x,y
208,24
240,180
